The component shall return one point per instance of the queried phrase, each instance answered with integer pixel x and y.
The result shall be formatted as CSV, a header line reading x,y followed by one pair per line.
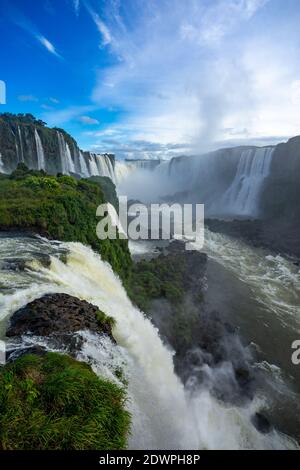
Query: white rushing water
x,y
242,197
1,164
273,279
122,171
21,157
41,163
83,165
105,166
70,163
94,171
164,414
62,152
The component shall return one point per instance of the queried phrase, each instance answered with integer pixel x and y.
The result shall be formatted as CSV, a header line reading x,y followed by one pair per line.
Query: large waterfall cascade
x,y
70,163
69,159
83,164
242,197
40,151
179,175
62,152
21,155
1,163
202,179
165,415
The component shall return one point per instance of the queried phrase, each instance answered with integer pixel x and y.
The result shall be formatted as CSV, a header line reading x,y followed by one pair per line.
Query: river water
x,y
165,415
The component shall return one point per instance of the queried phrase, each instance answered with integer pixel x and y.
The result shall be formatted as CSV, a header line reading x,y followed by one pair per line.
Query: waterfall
x,y
70,163
90,164
164,414
122,171
62,152
149,165
21,157
39,151
1,164
242,197
94,170
67,164
105,166
110,168
83,166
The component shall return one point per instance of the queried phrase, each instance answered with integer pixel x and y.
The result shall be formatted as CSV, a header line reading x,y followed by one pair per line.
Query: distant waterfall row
x,y
229,182
60,154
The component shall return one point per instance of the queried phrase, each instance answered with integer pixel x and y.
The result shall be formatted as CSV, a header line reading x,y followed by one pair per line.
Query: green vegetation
x,y
108,189
59,207
19,119
104,320
15,128
156,278
54,402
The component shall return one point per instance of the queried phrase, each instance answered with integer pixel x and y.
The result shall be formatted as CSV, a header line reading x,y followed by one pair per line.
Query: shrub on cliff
x,y
57,403
161,277
59,208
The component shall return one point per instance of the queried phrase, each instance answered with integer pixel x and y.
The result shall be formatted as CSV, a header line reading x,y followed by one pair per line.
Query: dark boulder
x,y
261,423
58,314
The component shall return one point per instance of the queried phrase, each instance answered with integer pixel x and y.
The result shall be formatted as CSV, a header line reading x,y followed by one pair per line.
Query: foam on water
x,y
164,414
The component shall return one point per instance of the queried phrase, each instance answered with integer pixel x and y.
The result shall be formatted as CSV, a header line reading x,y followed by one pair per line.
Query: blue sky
x,y
155,78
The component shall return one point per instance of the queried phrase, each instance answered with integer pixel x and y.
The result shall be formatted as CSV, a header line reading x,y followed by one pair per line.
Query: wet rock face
x,y
261,422
57,314
208,350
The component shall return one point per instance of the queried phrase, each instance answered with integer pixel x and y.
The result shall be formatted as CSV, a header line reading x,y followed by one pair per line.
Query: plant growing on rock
x,y
55,402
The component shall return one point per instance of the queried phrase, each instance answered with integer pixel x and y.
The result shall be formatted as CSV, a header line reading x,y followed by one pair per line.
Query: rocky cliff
x,y
26,139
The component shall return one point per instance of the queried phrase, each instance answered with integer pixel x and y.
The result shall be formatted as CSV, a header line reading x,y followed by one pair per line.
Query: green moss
x,y
156,278
103,319
54,402
60,208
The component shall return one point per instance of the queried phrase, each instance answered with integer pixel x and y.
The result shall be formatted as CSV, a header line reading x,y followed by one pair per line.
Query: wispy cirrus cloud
x,y
106,37
88,120
47,44
26,98
53,100
16,16
219,19
76,5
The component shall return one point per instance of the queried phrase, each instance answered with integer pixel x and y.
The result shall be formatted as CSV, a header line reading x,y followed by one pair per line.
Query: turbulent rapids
x,y
165,415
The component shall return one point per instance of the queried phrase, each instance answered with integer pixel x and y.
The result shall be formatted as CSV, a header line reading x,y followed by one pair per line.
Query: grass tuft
x,y
55,402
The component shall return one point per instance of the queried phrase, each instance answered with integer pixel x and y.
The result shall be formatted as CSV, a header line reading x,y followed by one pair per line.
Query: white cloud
x,y
62,116
101,26
47,107
53,100
76,4
48,45
88,120
222,18
25,23
200,73
27,98
106,36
